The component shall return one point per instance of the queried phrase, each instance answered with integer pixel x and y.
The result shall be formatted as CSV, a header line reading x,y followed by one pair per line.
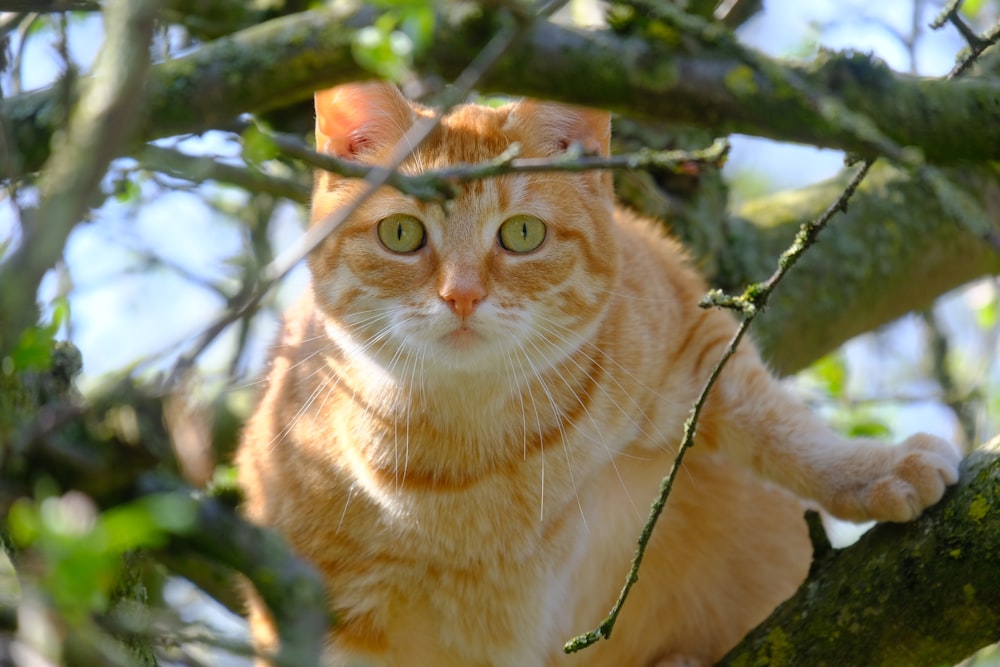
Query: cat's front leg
x,y
893,483
761,425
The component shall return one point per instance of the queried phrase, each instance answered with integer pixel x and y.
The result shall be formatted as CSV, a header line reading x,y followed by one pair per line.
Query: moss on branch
x,y
922,593
280,62
894,250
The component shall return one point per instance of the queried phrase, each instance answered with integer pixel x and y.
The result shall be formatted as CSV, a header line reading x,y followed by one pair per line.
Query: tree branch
x,y
920,593
284,60
894,250
199,168
87,452
95,134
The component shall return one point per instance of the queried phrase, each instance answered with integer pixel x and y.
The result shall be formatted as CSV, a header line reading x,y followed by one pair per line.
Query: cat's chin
x,y
462,338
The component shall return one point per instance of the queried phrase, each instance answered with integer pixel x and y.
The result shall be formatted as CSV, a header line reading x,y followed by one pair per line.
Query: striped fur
x,y
465,440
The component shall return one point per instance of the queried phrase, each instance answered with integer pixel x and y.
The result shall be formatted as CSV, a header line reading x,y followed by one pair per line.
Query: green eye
x,y
522,233
401,233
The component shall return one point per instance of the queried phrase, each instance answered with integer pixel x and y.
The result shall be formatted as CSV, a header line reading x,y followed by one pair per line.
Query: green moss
x,y
740,81
777,650
651,70
979,508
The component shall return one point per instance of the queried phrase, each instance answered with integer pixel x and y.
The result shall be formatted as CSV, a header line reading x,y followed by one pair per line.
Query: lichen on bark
x,y
922,593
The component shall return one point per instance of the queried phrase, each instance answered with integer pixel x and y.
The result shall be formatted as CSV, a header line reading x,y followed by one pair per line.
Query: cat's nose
x,y
463,299
461,285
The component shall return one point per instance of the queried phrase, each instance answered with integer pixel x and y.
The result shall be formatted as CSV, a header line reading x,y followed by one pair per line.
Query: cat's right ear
x,y
360,119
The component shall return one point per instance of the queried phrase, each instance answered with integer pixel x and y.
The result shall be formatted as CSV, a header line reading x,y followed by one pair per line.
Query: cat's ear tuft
x,y
359,119
556,127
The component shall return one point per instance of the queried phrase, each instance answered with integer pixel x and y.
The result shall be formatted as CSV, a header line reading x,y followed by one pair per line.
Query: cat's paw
x,y
923,466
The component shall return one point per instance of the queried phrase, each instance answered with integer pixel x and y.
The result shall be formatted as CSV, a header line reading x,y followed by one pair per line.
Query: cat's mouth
x,y
462,337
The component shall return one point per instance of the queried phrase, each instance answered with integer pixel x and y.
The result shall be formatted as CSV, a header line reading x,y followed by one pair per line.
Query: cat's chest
x,y
492,516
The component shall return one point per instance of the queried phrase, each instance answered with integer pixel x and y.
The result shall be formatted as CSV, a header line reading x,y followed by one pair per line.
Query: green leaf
x,y
173,512
972,8
34,350
831,372
258,147
127,190
23,522
868,427
130,527
60,315
986,315
382,49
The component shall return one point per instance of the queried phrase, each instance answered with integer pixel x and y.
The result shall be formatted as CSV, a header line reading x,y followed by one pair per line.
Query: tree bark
x,y
282,61
894,250
921,593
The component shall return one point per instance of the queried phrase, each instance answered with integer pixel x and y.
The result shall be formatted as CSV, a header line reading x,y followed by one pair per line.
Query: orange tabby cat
x,y
467,418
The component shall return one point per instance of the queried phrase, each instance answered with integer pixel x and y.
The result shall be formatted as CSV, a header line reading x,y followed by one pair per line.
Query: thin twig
x,y
755,296
749,304
977,43
197,169
958,402
603,631
440,185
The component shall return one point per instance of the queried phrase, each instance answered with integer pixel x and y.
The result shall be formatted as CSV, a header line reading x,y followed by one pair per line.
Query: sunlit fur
x,y
465,440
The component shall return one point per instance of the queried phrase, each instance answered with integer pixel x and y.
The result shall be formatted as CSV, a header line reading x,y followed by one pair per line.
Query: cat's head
x,y
515,268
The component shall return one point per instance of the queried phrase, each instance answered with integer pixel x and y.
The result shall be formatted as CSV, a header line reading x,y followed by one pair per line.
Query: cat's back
x,y
655,265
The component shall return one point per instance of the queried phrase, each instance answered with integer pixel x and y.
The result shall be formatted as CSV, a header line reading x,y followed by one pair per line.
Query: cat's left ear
x,y
555,127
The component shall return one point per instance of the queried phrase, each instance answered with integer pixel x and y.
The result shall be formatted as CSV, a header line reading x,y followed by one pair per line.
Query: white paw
x,y
923,466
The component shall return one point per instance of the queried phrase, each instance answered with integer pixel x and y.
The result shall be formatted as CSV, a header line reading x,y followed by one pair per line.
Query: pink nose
x,y
463,299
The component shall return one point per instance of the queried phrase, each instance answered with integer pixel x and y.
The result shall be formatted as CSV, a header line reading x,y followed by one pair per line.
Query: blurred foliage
x,y
79,551
388,47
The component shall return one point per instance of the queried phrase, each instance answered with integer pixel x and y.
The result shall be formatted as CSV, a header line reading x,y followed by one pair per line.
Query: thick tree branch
x,y
922,593
895,249
282,61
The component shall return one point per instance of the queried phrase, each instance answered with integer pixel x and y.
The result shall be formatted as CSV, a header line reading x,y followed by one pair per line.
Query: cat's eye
x,y
401,233
521,233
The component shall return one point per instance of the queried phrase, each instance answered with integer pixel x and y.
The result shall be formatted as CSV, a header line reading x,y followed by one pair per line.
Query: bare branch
x,y
977,44
199,169
96,132
284,60
439,185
